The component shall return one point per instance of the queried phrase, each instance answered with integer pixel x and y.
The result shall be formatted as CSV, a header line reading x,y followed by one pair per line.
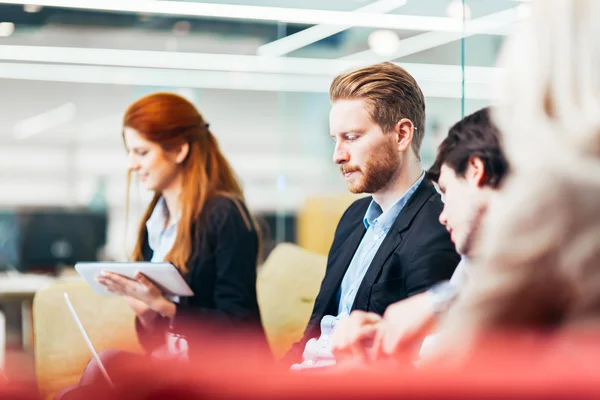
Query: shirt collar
x,y
386,219
156,222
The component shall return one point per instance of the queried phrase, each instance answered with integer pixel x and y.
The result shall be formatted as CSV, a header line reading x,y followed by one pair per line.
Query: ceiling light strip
x,y
431,83
425,41
259,13
295,67
313,34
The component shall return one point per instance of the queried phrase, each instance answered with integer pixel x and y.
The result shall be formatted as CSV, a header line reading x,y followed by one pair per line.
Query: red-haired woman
x,y
198,221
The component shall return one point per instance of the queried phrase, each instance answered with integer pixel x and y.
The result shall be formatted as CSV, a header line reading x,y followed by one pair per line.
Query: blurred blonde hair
x,y
550,94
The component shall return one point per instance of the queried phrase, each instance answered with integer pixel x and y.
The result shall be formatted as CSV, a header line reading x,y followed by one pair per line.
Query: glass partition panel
x,y
260,76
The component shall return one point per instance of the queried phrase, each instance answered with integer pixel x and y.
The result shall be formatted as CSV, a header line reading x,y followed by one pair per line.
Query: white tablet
x,y
163,274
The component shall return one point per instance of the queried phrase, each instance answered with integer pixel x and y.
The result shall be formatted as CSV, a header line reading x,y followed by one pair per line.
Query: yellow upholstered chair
x,y
287,285
61,354
317,219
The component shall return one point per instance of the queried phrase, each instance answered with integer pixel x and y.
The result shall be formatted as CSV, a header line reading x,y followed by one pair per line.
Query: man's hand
x,y
353,337
405,325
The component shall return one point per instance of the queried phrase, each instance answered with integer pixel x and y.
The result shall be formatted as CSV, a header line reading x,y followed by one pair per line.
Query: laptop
x,y
87,340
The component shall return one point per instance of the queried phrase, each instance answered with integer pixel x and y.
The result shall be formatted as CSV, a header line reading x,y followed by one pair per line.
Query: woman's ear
x,y
182,153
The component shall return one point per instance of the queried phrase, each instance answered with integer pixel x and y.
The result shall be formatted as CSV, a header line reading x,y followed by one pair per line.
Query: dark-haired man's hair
x,y
473,136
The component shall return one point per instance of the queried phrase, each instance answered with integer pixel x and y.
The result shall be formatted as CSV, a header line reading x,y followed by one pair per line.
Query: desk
x,y
22,287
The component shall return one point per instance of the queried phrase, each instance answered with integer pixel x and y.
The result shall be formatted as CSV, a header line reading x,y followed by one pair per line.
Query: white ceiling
x,y
40,85
270,115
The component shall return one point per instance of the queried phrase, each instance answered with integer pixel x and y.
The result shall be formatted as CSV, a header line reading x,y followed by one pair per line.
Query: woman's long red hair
x,y
171,120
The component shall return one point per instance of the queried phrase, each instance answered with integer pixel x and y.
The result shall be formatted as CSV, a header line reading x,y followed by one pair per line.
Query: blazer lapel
x,y
337,270
146,250
391,242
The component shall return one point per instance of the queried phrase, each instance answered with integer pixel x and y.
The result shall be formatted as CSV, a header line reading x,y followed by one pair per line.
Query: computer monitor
x,y
9,239
46,238
276,227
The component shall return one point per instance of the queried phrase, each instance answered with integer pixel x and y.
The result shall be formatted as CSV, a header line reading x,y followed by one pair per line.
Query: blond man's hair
x,y
391,93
